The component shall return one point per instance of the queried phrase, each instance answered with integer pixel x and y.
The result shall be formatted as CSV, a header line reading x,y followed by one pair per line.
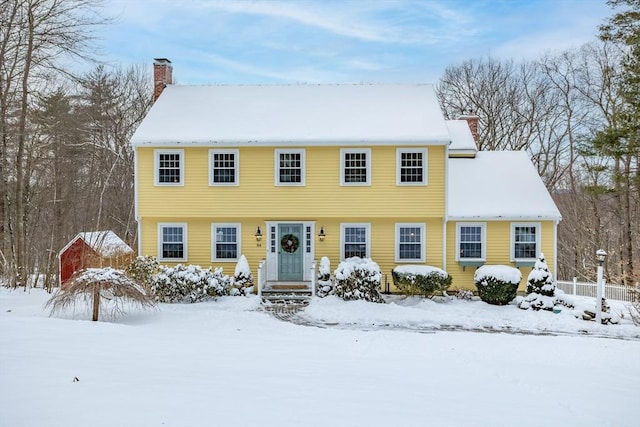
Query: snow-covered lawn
x,y
226,363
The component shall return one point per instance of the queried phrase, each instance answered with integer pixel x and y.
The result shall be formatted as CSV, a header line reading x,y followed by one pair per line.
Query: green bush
x,y
358,278
497,284
420,280
142,269
190,283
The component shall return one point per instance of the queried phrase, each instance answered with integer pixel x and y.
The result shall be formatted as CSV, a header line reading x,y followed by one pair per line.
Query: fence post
x,y
575,285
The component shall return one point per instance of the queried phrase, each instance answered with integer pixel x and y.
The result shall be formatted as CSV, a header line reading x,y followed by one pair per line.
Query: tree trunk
x,y
96,302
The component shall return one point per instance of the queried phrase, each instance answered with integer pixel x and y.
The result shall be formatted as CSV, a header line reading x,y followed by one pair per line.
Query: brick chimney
x,y
162,76
472,121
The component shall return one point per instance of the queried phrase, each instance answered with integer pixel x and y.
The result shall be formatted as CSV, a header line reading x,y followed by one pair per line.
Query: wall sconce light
x,y
321,234
258,234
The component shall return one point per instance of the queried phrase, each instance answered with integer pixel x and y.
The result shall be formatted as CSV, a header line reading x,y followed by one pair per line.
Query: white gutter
x,y
135,198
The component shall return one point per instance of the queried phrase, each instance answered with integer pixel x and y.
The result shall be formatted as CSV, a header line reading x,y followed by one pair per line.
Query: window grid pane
x,y
169,168
411,167
224,168
308,239
226,242
410,246
172,242
355,167
525,242
290,167
471,242
355,242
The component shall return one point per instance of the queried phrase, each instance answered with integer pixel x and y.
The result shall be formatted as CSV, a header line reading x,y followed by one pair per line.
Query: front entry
x,y
290,252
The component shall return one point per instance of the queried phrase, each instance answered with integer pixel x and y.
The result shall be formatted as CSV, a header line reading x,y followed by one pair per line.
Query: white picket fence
x,y
617,292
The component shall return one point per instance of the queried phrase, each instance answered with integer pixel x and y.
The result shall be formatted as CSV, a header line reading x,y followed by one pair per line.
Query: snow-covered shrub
x,y
242,278
464,294
497,284
190,283
358,278
540,288
325,284
142,269
422,280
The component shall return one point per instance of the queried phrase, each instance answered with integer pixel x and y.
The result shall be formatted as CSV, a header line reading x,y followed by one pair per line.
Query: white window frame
x,y
164,225
236,167
425,169
483,241
366,226
343,153
238,242
303,168
423,234
538,227
156,167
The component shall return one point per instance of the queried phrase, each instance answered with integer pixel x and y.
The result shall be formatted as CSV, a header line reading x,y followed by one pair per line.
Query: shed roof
x,y
105,243
462,142
294,114
498,185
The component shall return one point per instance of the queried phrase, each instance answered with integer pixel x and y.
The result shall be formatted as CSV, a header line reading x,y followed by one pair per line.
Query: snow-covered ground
x,y
226,363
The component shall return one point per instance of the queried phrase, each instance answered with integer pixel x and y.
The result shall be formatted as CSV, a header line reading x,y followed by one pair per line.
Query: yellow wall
x,y
498,251
322,196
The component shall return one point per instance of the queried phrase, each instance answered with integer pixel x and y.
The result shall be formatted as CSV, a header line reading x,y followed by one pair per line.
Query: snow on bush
x,y
142,269
190,283
325,284
420,280
541,289
358,279
497,284
242,278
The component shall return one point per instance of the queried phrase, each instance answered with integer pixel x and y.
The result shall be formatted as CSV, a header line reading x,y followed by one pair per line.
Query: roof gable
x,y
105,243
294,114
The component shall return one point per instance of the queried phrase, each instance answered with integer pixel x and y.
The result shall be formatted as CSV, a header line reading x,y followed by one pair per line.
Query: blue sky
x,y
339,41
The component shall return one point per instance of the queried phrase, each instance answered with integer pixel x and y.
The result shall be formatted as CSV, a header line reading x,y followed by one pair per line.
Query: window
x,y
355,240
470,240
290,167
355,167
226,242
223,167
525,241
411,166
410,242
169,167
172,242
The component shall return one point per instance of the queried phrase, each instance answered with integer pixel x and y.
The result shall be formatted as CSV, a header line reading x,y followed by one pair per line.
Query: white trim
x,y
512,242
555,250
162,225
425,169
238,242
483,240
366,226
423,241
276,167
272,257
366,151
503,218
156,167
294,143
236,166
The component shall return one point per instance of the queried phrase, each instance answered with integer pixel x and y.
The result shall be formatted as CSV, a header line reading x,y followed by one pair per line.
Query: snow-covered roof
x,y
498,185
294,114
462,142
105,243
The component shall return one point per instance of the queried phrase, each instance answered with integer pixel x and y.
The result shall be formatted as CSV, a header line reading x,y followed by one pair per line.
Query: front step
x,y
287,294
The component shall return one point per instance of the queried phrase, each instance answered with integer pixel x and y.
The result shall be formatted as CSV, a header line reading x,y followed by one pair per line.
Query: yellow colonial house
x,y
287,174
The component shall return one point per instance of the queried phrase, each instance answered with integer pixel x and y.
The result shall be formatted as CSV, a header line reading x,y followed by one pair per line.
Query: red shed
x,y
93,249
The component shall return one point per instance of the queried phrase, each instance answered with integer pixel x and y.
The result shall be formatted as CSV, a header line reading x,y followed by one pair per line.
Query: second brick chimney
x,y
472,121
162,76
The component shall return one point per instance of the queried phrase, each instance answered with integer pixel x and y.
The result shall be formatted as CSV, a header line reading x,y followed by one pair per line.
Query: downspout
x,y
445,219
555,249
135,198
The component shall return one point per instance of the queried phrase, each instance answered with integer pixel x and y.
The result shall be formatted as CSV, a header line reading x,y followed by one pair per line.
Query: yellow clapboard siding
x,y
498,251
322,196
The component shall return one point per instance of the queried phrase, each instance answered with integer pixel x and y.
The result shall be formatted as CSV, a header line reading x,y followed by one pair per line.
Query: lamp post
x,y
600,255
